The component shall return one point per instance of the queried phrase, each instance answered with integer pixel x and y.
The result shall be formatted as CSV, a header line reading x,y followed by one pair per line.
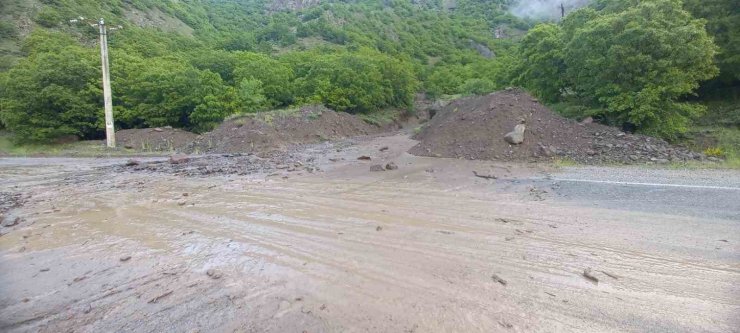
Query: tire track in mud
x,y
271,234
278,241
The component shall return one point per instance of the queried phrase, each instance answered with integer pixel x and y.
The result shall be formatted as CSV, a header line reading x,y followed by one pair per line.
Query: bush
x,y
48,17
636,62
53,94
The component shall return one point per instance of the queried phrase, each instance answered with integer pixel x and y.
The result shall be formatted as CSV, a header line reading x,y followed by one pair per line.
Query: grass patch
x,y
87,148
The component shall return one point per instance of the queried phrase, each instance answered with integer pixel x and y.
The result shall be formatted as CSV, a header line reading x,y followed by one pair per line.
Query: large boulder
x,y
516,136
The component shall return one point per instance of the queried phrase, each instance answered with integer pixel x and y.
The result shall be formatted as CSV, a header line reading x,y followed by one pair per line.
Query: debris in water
x,y
484,176
157,298
615,277
587,274
498,279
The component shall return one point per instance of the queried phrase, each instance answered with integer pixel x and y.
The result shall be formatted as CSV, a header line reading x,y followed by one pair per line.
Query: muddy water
x,y
412,250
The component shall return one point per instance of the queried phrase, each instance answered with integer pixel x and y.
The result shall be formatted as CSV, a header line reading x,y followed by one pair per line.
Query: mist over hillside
x,y
545,9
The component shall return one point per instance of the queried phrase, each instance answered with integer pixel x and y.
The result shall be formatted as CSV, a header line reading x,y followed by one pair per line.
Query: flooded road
x,y
426,248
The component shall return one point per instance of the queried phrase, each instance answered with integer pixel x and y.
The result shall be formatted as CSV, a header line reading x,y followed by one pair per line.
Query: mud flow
x,y
436,245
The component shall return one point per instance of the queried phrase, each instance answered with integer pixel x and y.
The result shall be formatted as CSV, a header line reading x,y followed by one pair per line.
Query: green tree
x,y
639,63
53,93
542,67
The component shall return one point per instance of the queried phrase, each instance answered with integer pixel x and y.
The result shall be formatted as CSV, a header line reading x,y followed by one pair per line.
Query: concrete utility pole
x,y
110,132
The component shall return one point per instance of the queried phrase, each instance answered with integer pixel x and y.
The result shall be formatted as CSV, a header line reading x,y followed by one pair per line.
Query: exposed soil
x,y
474,128
426,247
155,139
278,131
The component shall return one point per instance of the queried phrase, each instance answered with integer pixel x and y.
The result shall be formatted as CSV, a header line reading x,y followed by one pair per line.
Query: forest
x,y
659,67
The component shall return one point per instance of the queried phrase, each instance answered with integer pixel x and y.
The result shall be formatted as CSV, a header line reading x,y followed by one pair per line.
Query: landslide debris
x,y
481,128
280,129
155,139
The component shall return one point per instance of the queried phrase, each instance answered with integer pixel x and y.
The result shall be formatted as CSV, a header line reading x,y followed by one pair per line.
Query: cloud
x,y
545,9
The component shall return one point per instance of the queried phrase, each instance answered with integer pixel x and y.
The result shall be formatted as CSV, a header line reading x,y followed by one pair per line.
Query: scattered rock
x,y
44,270
157,298
364,158
157,129
391,166
484,176
128,146
179,158
587,274
182,202
376,167
124,258
11,222
378,228
516,136
498,279
613,276
587,120
132,162
214,273
384,148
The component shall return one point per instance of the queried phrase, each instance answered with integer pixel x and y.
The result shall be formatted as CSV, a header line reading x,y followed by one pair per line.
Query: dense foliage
x,y
192,63
632,62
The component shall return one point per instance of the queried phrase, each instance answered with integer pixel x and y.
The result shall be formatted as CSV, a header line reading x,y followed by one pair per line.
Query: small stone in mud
x,y
378,228
125,258
391,166
587,274
185,194
181,202
498,279
214,273
384,148
12,222
44,270
376,167
364,158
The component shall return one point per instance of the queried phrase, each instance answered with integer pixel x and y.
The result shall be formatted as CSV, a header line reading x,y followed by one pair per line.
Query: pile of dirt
x,y
474,128
277,130
155,139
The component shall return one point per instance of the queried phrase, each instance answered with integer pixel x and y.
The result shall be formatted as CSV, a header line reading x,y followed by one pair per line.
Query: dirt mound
x,y
155,139
474,128
276,130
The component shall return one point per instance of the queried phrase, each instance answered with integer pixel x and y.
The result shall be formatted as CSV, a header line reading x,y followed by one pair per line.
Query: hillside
x,y
190,64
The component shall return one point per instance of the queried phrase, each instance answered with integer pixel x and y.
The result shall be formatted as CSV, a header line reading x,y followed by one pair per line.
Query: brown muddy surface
x,y
426,248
